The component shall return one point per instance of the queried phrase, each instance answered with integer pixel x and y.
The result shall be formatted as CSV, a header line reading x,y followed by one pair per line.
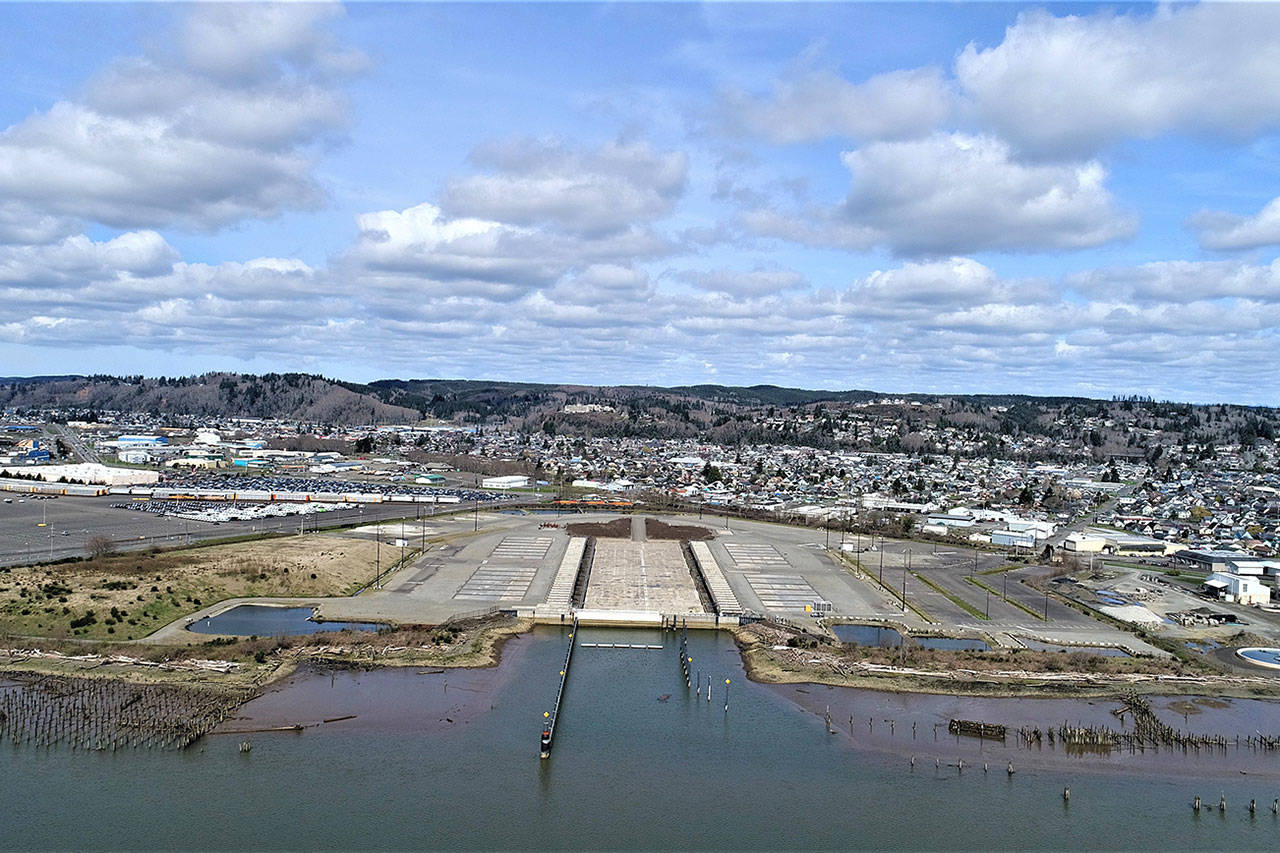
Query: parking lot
x,y
24,540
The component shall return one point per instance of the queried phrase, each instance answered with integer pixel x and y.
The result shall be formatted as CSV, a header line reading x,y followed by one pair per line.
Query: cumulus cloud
x,y
1178,282
544,182
464,256
77,259
1227,231
942,321
957,194
249,41
808,105
942,284
1068,86
212,133
20,225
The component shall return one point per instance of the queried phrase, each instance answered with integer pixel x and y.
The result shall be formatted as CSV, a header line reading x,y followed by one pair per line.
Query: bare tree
x,y
100,545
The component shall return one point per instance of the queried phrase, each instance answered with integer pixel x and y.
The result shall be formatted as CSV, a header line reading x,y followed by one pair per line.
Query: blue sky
x,y
908,197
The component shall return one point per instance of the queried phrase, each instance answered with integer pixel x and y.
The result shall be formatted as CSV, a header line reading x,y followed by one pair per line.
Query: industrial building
x,y
1094,541
1014,538
86,472
1240,589
1234,562
513,481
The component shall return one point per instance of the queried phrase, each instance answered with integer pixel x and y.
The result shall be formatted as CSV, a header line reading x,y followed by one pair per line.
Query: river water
x,y
450,760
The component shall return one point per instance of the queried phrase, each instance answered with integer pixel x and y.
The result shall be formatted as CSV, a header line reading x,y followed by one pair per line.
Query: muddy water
x,y
422,765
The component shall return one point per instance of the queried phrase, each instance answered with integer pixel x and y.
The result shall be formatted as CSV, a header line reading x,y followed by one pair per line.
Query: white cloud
x,y
942,284
1179,282
956,194
249,41
213,134
20,225
443,255
1221,230
606,189
1068,86
810,104
76,260
936,323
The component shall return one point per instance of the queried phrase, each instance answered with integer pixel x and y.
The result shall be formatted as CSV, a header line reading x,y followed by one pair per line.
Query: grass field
x,y
128,595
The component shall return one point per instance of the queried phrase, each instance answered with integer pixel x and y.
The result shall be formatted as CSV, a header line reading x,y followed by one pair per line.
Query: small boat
x,y
664,697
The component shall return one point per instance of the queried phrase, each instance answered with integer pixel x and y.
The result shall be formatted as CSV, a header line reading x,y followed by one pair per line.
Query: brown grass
x,y
150,589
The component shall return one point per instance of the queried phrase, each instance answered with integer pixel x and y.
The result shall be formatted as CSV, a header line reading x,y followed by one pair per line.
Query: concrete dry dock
x,y
653,576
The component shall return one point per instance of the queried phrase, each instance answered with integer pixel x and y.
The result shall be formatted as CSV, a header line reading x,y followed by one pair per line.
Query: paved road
x,y
77,444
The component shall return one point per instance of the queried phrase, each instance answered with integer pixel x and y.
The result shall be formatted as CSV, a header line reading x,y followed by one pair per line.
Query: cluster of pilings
x,y
1074,738
1149,732
684,657
101,713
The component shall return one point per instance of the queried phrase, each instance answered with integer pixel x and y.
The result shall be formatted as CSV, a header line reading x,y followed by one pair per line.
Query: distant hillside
x,y
760,414
294,396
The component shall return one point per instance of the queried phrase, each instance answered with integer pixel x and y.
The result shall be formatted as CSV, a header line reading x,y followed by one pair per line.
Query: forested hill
x,y
757,414
293,396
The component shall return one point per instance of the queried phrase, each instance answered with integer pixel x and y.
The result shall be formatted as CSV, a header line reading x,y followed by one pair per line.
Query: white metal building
x,y
1238,588
514,481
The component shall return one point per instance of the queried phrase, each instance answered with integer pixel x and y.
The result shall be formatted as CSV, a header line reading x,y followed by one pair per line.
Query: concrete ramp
x,y
560,596
637,528
721,593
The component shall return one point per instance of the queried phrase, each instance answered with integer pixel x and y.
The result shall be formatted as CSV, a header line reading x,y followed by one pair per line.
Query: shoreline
x,y
769,658
478,643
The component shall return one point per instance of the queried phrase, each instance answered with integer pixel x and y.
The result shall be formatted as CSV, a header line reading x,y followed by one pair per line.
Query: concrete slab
x,y
647,576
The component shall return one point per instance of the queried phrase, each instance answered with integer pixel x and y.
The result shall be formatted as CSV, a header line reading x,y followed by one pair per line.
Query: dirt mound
x,y
619,528
654,529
